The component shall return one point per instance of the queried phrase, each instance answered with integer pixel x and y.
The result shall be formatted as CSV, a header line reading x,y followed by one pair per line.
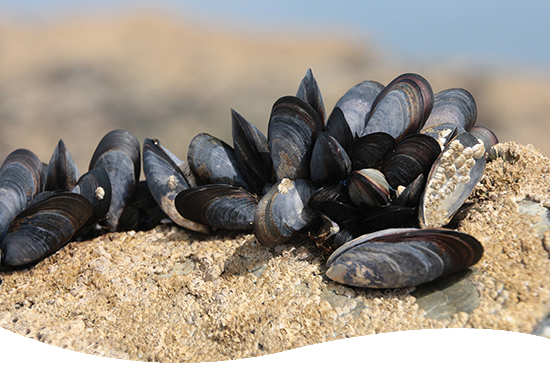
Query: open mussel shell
x,y
292,130
218,206
44,228
413,155
397,258
329,160
62,172
451,180
368,151
283,212
21,179
368,187
252,152
401,108
95,186
356,103
309,92
453,106
166,180
214,162
118,153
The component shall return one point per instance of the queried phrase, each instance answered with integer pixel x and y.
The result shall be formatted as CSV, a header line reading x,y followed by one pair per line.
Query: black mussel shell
x,y
309,92
95,186
283,212
397,258
119,140
453,106
409,196
356,103
344,214
214,162
292,130
21,179
485,135
252,152
142,212
413,155
451,180
218,206
443,133
165,178
329,161
62,172
401,108
368,151
368,187
329,192
338,128
44,228
118,153
391,216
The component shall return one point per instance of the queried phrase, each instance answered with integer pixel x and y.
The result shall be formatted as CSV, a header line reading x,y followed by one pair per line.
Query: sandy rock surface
x,y
169,295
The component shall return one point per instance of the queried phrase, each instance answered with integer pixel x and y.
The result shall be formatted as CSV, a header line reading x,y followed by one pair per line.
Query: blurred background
x,y
74,70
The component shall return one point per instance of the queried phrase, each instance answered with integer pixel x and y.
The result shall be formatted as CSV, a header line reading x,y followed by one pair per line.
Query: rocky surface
x,y
170,295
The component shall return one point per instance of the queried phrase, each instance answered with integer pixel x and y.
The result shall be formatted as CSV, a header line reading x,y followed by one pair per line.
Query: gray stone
x,y
445,297
537,210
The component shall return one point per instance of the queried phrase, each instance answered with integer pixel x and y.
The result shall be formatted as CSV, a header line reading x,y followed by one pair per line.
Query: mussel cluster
x,y
371,183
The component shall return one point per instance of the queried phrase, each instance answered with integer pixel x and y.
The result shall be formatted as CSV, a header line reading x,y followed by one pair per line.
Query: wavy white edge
x,y
449,346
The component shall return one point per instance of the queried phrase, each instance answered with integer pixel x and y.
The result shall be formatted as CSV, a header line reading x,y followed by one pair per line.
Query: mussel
x,y
21,179
62,172
166,178
44,228
118,153
357,102
214,162
401,108
454,112
309,92
452,178
218,206
292,129
252,152
396,258
283,212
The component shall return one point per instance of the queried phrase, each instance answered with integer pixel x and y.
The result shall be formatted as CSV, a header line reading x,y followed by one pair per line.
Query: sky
x,y
481,31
